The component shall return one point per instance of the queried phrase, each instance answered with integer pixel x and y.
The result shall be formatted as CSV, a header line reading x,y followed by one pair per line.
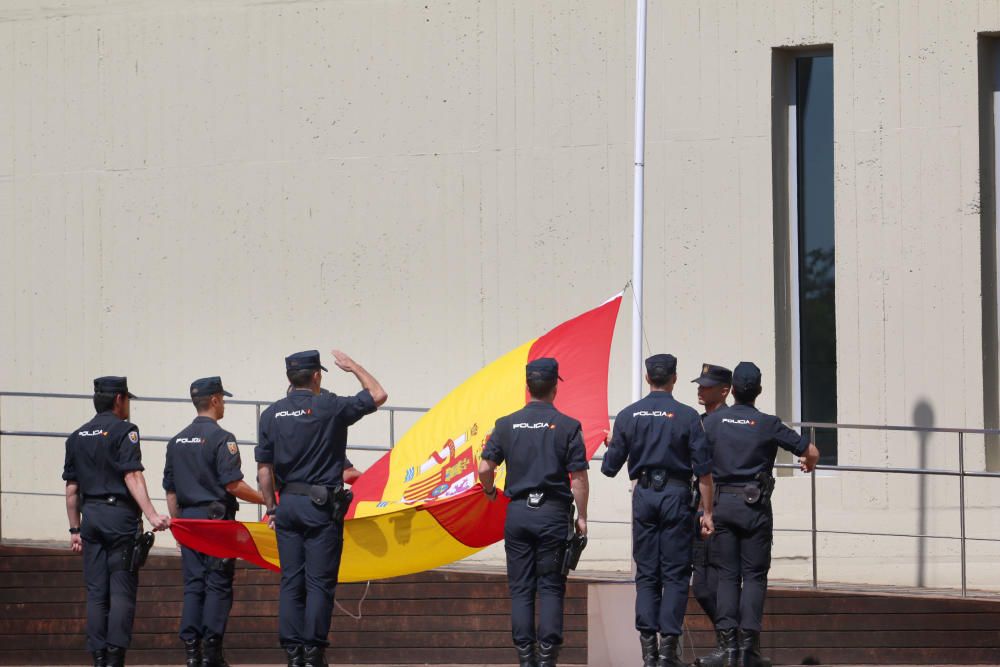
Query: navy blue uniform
x,y
201,460
98,455
304,436
745,442
662,438
704,577
540,446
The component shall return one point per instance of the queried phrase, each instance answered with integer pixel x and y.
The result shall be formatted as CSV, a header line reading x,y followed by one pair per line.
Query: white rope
x,y
360,602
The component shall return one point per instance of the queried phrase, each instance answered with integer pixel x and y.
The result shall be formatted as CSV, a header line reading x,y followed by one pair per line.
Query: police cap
x,y
545,369
712,375
112,384
303,361
746,376
661,365
208,387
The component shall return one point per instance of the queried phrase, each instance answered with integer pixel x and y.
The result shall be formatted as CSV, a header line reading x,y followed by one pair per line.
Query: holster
x,y
573,548
130,554
217,510
342,498
695,493
760,490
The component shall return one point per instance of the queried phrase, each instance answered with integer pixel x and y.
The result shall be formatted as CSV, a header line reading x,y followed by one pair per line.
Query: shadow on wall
x,y
923,417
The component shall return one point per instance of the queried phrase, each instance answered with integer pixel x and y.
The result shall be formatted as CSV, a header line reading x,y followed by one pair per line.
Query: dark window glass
x,y
817,324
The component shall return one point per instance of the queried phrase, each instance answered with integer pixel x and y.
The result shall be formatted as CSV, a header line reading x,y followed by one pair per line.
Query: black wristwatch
x,y
74,531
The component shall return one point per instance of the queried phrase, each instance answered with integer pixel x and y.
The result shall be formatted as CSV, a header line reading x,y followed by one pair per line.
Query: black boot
x,y
294,654
100,658
547,654
726,652
650,650
116,656
670,654
213,653
192,652
750,650
526,655
716,658
313,656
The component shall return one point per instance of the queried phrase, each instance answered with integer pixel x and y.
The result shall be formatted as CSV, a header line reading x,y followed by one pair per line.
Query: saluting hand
x,y
343,362
807,462
76,543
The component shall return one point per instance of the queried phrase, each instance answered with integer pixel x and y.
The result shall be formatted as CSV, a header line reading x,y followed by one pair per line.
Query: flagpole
x,y
637,221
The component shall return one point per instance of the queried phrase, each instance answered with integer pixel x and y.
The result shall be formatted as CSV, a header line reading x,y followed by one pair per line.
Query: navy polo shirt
x,y
100,452
304,435
745,442
540,446
201,460
658,432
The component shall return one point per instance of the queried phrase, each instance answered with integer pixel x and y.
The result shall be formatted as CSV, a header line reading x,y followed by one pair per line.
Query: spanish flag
x,y
420,506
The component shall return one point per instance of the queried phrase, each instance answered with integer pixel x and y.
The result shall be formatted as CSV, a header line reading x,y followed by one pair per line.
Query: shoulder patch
x,y
133,437
233,449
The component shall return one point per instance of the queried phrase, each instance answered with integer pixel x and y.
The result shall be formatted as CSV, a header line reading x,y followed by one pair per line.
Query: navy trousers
x,y
107,530
310,542
208,589
741,550
534,540
661,546
705,576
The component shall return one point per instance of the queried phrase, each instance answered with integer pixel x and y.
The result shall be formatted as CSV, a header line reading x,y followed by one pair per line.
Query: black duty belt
x,y
207,503
548,496
731,488
110,499
217,509
658,477
303,489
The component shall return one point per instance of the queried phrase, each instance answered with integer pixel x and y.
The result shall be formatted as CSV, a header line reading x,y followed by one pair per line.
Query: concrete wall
x,y
190,188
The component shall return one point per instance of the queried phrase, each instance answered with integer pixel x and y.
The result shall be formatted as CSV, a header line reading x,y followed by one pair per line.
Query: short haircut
x,y
300,378
201,403
659,380
541,388
104,402
746,395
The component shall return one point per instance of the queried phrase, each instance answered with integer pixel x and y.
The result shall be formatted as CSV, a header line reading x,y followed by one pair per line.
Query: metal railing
x,y
961,473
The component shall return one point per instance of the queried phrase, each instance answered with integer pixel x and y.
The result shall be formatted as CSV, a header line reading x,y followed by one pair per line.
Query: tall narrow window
x,y
989,162
809,295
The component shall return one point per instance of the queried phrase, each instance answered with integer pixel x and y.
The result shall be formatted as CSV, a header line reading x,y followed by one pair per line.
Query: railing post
x,y
392,428
260,508
961,506
812,503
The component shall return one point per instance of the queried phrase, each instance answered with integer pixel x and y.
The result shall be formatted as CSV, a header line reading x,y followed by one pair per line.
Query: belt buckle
x,y
111,500
535,499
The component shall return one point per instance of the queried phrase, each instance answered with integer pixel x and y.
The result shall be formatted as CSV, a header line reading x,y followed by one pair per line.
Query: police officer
x,y
714,385
104,465
301,443
546,471
745,442
664,444
203,479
